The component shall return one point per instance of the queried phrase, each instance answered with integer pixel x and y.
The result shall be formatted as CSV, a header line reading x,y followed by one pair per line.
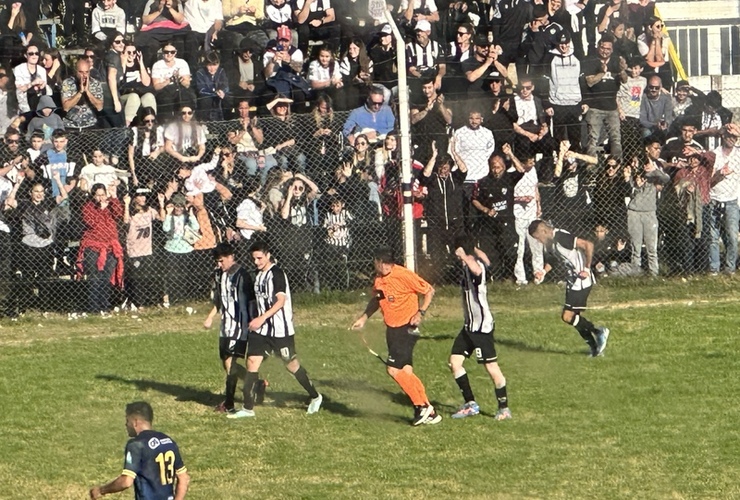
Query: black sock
x,y
249,381
231,380
302,377
464,384
503,400
587,330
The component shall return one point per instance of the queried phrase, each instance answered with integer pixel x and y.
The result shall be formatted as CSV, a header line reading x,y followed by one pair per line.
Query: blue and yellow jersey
x,y
153,460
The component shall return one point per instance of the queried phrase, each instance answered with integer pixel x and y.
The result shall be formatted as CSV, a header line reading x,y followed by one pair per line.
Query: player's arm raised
x,y
588,252
372,306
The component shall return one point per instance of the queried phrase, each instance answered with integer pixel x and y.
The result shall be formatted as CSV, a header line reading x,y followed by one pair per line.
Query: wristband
x,y
422,312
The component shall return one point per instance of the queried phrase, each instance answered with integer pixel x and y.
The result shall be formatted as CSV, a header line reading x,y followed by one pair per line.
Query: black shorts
x,y
575,300
401,341
230,348
260,345
475,343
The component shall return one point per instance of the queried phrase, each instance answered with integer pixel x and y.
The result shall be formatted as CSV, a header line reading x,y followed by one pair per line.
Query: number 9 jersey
x,y
153,460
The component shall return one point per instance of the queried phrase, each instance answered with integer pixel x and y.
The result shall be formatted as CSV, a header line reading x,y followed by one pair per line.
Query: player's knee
x,y
568,317
392,371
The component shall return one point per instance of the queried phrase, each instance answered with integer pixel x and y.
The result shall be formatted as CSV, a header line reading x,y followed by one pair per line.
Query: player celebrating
x,y
576,254
152,460
395,292
272,330
476,336
233,293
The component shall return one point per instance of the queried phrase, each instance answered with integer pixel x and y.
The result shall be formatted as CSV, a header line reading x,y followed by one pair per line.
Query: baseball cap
x,y
423,26
283,33
481,41
564,37
386,30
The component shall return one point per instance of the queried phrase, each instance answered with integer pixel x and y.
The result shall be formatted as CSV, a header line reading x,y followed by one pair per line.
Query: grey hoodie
x,y
565,70
644,199
46,124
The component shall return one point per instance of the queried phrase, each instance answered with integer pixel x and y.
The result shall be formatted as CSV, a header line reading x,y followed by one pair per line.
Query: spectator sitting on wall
x,y
374,119
107,19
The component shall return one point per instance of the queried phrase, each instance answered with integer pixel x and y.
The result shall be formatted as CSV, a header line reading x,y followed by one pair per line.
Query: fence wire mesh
x,y
324,204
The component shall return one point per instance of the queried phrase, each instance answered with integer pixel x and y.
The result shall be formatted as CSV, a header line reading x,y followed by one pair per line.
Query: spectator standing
x,y
281,138
611,189
98,172
213,88
245,19
494,200
498,114
30,80
656,109
16,18
713,117
324,76
565,91
623,46
424,58
206,20
180,226
507,19
356,69
383,55
112,115
429,122
172,80
642,221
532,133
82,98
107,20
459,50
723,207
100,257
139,217
693,185
147,143
481,66
629,105
604,74
653,46
248,137
136,84
185,139
283,65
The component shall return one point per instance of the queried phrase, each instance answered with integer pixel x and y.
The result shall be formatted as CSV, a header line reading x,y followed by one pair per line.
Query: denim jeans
x,y
723,222
598,120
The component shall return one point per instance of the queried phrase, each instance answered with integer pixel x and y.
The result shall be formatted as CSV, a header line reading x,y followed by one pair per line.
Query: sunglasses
x,y
611,165
130,52
32,53
148,121
226,155
653,87
169,52
373,103
299,188
461,33
118,41
12,141
188,113
659,26
3,75
89,56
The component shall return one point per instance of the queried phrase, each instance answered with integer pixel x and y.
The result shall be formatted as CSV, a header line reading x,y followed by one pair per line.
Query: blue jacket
x,y
360,118
208,84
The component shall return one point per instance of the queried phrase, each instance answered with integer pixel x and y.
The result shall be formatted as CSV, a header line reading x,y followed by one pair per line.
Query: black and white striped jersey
x,y
267,286
337,228
563,247
424,58
233,295
477,313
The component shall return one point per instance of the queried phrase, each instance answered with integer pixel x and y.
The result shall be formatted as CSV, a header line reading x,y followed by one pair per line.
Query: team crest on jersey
x,y
504,190
391,299
153,443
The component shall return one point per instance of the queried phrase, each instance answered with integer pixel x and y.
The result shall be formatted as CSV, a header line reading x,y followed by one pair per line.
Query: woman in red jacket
x,y
101,255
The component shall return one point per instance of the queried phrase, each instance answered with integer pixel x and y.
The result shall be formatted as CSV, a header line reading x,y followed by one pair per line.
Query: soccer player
x,y
575,254
476,336
152,461
272,330
395,292
233,293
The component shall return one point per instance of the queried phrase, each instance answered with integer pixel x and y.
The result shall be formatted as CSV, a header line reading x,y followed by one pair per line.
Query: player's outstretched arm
x,y
121,483
372,306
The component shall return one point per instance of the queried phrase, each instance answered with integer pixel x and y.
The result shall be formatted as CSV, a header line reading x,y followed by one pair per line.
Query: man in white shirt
x,y
724,196
474,144
206,19
171,78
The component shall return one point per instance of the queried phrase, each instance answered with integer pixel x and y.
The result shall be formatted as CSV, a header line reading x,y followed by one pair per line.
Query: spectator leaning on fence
x,y
147,143
181,229
139,217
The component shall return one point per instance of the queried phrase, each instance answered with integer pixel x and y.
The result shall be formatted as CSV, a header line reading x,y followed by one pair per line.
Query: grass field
x,y
657,417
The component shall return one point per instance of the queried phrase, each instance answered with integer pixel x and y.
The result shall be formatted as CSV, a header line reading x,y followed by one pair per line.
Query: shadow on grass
x,y
180,392
397,397
523,346
437,337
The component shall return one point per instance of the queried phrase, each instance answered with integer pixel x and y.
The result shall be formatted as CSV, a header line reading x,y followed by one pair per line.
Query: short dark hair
x,y
606,38
213,58
98,186
465,242
384,254
37,134
534,226
60,132
259,246
223,249
140,409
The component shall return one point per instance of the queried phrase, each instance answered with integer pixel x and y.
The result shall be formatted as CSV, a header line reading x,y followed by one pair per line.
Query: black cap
x,y
481,41
564,37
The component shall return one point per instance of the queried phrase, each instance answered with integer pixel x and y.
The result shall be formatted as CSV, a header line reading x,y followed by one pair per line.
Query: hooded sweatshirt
x,y
47,124
565,71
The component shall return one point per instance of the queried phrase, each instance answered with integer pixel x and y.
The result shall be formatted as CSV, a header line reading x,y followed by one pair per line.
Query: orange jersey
x,y
398,295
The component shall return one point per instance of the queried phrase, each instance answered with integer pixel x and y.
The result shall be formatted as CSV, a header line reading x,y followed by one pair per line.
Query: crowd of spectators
x,y
210,120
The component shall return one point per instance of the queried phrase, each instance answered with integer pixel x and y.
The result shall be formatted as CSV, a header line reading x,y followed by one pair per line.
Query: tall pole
x,y
405,138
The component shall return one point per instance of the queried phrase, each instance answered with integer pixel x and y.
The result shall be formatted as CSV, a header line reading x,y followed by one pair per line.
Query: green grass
x,y
657,417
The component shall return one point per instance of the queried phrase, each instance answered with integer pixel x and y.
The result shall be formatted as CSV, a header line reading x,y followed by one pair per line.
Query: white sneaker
x,y
243,413
315,405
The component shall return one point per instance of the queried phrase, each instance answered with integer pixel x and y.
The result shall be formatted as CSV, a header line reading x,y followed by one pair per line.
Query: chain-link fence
x,y
324,204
